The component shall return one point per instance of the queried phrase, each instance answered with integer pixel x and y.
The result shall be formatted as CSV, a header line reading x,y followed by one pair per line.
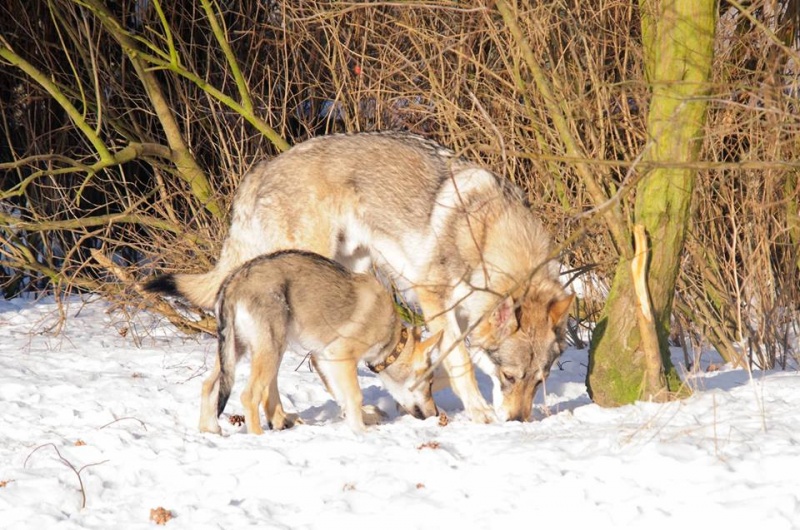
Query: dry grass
x,y
449,70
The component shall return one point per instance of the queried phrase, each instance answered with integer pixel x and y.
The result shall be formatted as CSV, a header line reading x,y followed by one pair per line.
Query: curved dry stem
x,y
70,465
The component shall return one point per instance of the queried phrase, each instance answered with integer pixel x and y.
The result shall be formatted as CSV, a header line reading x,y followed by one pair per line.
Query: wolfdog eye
x,y
507,378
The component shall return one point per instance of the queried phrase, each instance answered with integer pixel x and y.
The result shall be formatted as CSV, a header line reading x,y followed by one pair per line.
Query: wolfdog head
x,y
409,361
522,338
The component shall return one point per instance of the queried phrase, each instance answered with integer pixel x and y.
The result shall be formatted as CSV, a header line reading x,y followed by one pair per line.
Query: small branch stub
x,y
654,384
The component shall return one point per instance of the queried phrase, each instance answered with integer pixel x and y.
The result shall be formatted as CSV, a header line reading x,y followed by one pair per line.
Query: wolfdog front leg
x,y
457,360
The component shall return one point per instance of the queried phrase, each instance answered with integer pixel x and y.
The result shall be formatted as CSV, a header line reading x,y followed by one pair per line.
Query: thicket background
x,y
126,126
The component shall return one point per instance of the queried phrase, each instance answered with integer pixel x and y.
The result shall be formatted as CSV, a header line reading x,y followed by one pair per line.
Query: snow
x,y
127,389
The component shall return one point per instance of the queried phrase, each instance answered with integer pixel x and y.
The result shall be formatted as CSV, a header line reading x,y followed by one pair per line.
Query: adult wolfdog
x,y
452,236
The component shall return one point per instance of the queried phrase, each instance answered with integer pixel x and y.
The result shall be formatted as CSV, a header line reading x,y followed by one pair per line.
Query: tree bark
x,y
678,39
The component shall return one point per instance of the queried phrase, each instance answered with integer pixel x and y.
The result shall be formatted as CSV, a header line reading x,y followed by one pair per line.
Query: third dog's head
x,y
522,338
412,361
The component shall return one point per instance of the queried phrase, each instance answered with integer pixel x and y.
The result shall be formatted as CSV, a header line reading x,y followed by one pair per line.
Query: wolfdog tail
x,y
226,350
199,289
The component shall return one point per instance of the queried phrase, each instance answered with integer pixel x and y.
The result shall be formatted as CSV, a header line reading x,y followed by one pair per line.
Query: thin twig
x,y
69,465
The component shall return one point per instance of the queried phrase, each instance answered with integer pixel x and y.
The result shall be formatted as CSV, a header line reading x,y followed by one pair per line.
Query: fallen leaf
x,y
160,515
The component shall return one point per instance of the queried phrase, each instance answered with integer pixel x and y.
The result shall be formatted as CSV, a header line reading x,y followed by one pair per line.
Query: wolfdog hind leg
x,y
257,390
208,402
277,418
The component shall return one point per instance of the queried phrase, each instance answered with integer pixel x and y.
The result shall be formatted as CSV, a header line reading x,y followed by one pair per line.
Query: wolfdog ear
x,y
558,308
504,318
431,342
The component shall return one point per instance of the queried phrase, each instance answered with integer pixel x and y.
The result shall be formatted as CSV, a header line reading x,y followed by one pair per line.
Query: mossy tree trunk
x,y
678,38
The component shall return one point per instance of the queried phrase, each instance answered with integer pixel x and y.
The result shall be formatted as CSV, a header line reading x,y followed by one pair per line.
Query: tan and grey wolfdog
x,y
301,299
455,238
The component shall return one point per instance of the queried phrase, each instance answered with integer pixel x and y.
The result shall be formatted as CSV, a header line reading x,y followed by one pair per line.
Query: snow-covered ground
x,y
117,401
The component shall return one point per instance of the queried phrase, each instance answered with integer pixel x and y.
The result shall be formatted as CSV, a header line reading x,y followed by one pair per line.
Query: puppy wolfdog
x,y
455,238
303,299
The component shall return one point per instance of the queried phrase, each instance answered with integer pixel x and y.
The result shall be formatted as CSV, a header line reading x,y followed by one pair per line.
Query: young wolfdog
x,y
301,299
455,238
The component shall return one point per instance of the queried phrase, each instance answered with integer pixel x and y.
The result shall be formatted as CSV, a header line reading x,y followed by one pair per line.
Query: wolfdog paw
x,y
482,414
358,428
373,415
280,422
213,428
